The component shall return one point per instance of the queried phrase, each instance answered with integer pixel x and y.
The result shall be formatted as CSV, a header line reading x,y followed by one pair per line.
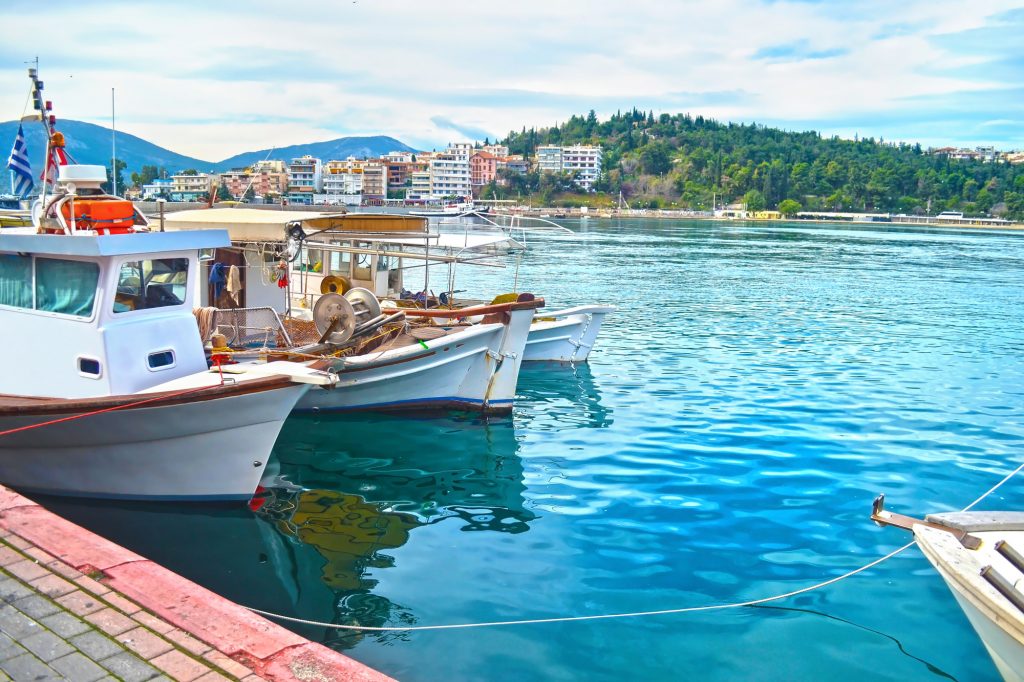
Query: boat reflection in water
x,y
556,396
345,490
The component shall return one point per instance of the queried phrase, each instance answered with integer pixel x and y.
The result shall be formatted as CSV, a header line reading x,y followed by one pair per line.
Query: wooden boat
x,y
980,555
467,363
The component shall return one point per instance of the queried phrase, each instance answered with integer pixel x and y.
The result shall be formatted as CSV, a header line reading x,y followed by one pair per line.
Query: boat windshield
x,y
61,286
156,283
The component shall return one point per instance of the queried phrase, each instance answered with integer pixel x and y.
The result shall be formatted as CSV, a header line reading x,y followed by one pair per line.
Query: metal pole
x,y
113,144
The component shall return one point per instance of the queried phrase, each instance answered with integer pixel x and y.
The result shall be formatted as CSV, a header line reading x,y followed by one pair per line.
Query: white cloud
x,y
211,82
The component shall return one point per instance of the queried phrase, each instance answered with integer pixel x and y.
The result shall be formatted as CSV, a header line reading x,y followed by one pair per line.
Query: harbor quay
x,y
76,606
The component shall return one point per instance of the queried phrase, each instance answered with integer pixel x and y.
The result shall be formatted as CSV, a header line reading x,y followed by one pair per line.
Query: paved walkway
x,y
57,623
74,606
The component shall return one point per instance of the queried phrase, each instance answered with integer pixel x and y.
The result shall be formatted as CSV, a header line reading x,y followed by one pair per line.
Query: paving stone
x,y
180,666
28,667
46,645
144,643
61,568
12,590
65,625
188,642
227,664
152,622
96,587
80,603
9,648
36,607
213,676
111,622
52,586
96,645
9,555
40,556
129,667
16,624
27,570
17,541
75,666
122,604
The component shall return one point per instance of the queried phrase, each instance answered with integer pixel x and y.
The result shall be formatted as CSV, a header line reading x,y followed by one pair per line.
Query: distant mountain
x,y
90,144
340,149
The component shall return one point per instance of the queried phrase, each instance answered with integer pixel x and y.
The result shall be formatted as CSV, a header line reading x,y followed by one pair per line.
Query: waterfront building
x,y
584,161
398,157
375,181
514,163
549,159
305,178
160,187
191,187
343,182
419,187
270,166
499,150
449,172
483,168
262,182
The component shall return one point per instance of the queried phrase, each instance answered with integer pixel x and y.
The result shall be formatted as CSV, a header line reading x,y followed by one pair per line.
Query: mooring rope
x,y
633,614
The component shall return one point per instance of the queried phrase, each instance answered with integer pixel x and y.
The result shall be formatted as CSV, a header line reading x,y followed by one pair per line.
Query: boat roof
x,y
253,224
17,241
453,242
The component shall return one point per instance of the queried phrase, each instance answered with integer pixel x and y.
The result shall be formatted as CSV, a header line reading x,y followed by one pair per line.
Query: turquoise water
x,y
757,388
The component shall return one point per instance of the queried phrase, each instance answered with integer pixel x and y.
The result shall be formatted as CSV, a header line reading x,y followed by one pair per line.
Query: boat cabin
x,y
98,315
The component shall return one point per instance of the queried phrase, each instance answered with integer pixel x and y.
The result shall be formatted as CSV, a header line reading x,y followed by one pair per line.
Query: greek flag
x,y
19,165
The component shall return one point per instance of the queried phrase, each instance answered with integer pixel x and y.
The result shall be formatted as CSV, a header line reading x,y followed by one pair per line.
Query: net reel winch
x,y
340,318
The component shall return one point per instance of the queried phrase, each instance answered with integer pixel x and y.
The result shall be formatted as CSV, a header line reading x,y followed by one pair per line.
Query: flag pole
x,y
113,145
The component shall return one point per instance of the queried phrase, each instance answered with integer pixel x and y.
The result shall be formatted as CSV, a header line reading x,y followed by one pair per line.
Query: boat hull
x,y
999,624
452,372
202,449
568,337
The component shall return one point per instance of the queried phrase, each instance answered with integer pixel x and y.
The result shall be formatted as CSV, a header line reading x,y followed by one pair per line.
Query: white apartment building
x,y
549,158
398,157
190,187
499,150
305,178
585,162
419,190
343,182
449,172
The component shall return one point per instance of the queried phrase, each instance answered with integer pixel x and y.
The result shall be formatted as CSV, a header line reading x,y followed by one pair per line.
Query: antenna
x,y
113,145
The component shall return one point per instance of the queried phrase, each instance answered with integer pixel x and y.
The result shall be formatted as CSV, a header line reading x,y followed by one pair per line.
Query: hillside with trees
x,y
687,161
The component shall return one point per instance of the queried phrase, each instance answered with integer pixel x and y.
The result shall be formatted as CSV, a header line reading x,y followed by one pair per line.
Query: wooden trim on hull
x,y
29,406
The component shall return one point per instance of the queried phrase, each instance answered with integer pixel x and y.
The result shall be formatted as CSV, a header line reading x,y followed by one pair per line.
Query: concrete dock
x,y
74,606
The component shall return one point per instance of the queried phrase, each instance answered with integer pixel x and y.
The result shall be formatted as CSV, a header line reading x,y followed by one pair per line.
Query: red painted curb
x,y
265,647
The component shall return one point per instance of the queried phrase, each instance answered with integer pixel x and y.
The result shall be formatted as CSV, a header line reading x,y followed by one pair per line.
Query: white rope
x,y
634,614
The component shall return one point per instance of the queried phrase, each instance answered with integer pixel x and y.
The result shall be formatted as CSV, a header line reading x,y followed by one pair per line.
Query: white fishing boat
x,y
980,555
105,389
409,362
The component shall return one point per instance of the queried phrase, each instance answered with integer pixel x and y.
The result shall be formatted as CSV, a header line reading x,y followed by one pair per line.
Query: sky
x,y
211,79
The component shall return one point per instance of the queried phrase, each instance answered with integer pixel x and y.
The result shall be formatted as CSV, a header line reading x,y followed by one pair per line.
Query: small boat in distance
x,y
454,209
980,555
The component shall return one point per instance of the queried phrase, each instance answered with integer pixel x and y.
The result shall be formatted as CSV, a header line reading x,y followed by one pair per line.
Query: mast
x,y
49,121
113,145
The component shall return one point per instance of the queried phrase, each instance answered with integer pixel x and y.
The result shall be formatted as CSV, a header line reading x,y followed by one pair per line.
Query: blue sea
x,y
757,387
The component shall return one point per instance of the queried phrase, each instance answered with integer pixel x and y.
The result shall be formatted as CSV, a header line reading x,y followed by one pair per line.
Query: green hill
x,y
686,161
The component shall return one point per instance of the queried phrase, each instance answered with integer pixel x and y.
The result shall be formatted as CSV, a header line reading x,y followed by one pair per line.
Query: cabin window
x,y
341,263
89,367
161,359
362,270
16,280
156,283
66,286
